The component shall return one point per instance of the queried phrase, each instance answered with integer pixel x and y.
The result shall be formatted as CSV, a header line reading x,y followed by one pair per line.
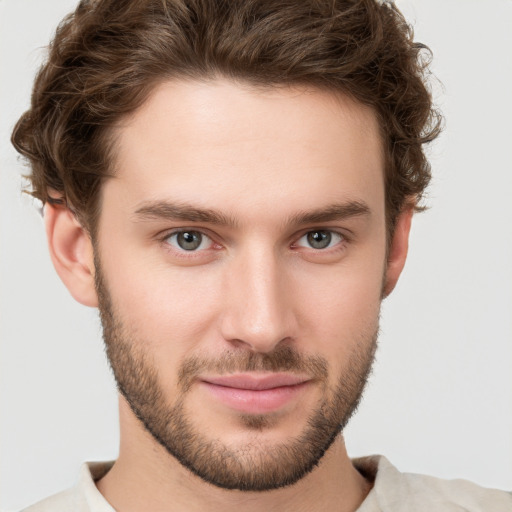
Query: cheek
x,y
164,307
347,314
164,314
343,312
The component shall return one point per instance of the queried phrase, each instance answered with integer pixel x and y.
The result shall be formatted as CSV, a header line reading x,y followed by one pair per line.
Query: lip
x,y
254,393
255,381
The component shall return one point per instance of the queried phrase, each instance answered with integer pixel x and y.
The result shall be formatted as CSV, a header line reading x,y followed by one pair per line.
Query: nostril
x,y
237,343
262,346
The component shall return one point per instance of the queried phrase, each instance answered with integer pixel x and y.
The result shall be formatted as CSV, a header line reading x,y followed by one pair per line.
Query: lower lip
x,y
252,401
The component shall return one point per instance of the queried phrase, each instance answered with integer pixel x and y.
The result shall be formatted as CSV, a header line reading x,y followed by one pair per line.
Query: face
x,y
240,261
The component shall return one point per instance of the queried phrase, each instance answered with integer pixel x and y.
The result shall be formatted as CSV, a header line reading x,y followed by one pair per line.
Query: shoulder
x,y
62,501
458,494
83,497
397,492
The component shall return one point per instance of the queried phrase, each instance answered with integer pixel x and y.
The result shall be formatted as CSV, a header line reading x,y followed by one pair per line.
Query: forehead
x,y
221,144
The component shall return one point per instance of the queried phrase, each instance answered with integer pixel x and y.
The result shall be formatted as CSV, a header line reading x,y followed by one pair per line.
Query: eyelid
x,y
166,233
204,240
163,237
345,237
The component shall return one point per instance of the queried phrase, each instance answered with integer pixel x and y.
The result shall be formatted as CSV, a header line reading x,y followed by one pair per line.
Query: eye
x,y
320,239
189,240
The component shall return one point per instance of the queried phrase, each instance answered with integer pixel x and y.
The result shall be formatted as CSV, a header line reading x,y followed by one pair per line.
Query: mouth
x,y
253,393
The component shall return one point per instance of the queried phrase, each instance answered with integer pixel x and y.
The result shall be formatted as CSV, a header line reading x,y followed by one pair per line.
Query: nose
x,y
258,301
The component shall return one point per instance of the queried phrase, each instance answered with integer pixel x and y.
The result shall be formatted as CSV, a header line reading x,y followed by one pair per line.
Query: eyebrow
x,y
337,211
164,210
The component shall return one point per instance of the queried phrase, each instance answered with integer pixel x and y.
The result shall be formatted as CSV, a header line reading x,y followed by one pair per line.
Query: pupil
x,y
189,240
319,239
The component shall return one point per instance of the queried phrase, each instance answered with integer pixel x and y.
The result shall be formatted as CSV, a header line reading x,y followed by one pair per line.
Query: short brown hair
x,y
108,55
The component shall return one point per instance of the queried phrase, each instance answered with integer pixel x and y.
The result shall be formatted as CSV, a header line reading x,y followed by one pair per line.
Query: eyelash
x,y
184,253
340,245
332,234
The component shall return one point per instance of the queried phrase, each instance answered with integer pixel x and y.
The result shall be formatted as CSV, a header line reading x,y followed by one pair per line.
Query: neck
x,y
146,477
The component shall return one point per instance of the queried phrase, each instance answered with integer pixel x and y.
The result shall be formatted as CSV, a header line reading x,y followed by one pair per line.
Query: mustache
x,y
282,359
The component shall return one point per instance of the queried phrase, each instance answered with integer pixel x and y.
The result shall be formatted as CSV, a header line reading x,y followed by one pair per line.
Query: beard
x,y
255,466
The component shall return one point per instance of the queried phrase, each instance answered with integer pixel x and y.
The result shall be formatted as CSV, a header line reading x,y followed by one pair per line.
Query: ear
x,y
71,252
398,250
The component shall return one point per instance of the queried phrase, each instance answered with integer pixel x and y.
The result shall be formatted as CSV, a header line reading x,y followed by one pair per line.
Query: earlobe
x,y
398,249
71,252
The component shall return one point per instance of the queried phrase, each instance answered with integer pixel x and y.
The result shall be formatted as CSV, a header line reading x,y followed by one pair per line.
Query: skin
x,y
261,159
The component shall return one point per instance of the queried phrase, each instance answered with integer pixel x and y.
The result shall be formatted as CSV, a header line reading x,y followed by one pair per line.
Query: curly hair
x,y
108,55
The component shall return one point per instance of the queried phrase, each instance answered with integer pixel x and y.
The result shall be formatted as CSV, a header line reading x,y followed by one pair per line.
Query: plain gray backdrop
x,y
440,399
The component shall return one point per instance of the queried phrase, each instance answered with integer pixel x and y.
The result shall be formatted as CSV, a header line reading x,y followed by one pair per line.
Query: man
x,y
232,185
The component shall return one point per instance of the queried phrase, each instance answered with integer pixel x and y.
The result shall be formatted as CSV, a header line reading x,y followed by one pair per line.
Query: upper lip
x,y
256,382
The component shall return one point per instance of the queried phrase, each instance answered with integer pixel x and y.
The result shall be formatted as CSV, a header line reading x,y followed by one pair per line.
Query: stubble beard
x,y
256,466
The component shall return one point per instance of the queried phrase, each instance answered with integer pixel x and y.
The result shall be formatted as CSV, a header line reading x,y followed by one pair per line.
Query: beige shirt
x,y
392,492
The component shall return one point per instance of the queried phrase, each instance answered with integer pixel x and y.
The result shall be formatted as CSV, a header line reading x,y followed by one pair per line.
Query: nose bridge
x,y
258,312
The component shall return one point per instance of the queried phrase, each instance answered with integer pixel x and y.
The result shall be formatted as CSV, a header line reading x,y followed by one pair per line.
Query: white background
x,y
440,399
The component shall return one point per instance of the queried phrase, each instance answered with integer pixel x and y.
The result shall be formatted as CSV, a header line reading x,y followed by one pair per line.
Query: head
x,y
232,184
